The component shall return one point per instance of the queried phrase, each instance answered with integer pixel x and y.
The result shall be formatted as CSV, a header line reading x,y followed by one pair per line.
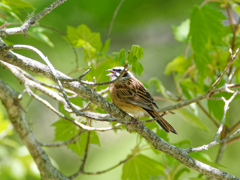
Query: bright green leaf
x,y
137,51
178,64
181,32
18,9
106,45
205,26
191,119
216,108
180,172
183,144
38,33
161,133
64,130
121,55
18,4
80,146
141,168
236,7
190,88
137,67
83,37
95,138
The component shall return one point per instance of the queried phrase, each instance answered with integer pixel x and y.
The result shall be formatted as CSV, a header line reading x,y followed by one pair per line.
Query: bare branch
x,y
74,139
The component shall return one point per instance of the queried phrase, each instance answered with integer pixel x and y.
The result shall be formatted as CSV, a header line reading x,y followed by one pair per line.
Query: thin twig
x,y
226,107
232,59
113,18
81,169
74,139
213,143
94,83
109,169
46,103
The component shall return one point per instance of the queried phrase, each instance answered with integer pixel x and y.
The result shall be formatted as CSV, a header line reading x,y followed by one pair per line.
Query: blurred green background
x,y
145,23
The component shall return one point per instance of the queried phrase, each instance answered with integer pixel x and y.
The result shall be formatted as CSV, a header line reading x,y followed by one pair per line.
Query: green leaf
x,y
183,144
80,146
178,64
141,167
38,33
133,58
190,88
161,133
236,7
18,4
205,26
64,130
137,51
106,45
191,119
137,67
216,108
180,172
18,9
159,86
62,110
121,55
181,32
83,37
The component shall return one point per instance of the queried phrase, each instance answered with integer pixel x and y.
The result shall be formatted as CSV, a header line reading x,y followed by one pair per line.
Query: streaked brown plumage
x,y
131,96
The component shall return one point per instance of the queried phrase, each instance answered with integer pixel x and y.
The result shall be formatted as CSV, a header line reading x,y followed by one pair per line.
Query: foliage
x,y
207,43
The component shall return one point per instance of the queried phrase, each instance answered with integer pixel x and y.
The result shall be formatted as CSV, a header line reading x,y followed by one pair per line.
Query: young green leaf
x,y
106,45
38,33
181,32
137,51
121,55
83,37
141,167
137,67
133,58
178,64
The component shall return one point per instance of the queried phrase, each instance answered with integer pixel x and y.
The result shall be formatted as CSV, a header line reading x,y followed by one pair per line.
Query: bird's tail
x,y
162,122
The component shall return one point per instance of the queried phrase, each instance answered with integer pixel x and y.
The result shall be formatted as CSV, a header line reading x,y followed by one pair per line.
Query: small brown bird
x,y
130,95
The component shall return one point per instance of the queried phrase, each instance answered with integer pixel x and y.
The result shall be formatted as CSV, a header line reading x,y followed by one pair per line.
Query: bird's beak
x,y
110,74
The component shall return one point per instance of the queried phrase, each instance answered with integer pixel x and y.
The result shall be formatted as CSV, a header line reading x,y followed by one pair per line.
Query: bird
x,y
130,95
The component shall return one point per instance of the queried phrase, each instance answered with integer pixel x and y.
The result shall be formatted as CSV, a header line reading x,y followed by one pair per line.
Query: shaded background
x,y
147,24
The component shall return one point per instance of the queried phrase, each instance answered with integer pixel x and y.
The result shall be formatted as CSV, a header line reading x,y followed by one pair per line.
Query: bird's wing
x,y
134,92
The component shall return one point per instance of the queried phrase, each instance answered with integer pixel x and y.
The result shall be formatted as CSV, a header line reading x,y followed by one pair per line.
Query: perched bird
x,y
130,95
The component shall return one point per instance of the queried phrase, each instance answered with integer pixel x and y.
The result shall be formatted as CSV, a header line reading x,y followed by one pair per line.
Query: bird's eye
x,y
125,74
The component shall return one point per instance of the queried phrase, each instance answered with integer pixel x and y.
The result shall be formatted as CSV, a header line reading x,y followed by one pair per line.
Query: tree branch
x,y
9,98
